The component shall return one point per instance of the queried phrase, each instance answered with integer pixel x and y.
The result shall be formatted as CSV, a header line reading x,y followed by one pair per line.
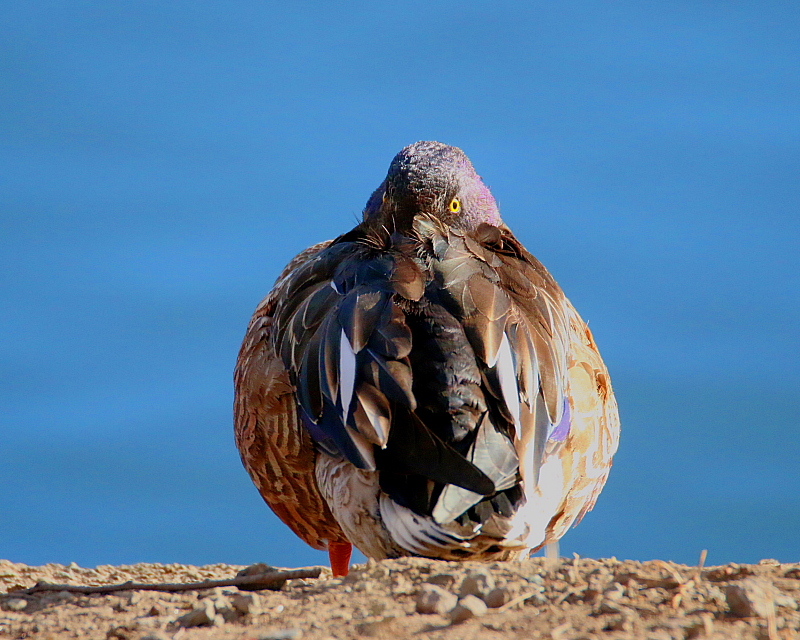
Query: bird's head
x,y
434,179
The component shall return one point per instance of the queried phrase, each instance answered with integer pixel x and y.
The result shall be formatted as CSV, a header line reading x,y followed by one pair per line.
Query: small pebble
x,y
256,569
15,604
609,606
376,607
122,632
433,599
497,597
477,583
750,597
224,607
442,579
468,607
614,593
378,572
377,628
202,615
536,599
246,603
785,600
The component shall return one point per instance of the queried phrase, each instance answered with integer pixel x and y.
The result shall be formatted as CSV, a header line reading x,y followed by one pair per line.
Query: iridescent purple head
x,y
434,179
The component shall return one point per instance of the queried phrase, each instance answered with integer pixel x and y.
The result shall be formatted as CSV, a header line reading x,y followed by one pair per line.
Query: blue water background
x,y
161,162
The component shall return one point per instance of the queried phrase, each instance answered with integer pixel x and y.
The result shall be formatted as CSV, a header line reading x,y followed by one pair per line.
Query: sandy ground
x,y
569,599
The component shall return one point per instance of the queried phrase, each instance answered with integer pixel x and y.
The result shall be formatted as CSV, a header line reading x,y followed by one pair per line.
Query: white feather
x,y
542,502
379,422
400,521
347,373
507,373
415,533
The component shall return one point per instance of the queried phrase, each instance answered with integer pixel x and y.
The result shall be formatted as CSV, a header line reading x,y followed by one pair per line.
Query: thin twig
x,y
669,568
772,622
513,603
702,563
270,580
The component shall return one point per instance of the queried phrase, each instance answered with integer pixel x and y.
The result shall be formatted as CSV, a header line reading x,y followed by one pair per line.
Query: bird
x,y
420,385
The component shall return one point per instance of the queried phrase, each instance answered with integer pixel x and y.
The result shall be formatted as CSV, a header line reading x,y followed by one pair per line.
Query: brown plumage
x,y
421,385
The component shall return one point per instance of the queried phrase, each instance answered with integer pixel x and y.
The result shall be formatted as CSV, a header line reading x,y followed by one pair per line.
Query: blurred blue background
x,y
161,162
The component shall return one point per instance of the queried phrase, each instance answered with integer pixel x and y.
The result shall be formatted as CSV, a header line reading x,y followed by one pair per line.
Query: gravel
x,y
534,599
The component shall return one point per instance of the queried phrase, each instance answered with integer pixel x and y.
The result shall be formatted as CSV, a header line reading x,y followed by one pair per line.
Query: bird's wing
x,y
276,450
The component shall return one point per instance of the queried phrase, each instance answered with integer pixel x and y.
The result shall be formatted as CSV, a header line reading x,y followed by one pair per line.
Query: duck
x,y
421,385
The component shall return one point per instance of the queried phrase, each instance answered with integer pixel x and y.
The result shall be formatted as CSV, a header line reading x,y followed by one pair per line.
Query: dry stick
x,y
513,603
260,581
703,557
670,569
683,586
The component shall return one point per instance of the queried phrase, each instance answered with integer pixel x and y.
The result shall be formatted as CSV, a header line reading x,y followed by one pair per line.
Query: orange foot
x,y
339,553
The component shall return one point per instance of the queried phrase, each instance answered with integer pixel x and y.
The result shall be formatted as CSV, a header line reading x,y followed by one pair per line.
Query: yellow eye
x,y
455,205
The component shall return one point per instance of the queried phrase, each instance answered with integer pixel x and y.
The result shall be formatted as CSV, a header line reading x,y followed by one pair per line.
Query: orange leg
x,y
339,553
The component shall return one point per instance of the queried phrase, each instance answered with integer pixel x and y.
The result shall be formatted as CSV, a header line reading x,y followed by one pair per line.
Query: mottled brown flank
x,y
276,451
576,599
594,404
